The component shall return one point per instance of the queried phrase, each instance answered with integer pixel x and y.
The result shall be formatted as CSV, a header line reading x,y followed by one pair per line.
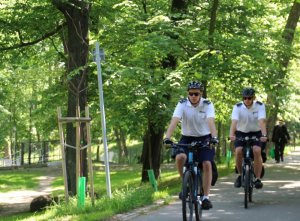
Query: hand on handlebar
x,y
167,142
214,140
232,138
263,139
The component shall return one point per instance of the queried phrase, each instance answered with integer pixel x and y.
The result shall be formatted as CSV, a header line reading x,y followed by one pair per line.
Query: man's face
x,y
194,95
248,101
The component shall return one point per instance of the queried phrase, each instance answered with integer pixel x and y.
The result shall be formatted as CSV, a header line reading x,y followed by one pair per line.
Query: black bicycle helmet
x,y
195,85
248,92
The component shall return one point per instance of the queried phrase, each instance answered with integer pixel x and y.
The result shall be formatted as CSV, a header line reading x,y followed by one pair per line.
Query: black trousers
x,y
279,151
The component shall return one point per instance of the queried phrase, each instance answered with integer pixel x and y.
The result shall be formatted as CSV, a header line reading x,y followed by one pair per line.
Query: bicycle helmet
x,y
195,85
248,92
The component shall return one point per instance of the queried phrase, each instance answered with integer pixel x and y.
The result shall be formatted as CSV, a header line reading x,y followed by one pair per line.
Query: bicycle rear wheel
x,y
198,203
246,185
187,196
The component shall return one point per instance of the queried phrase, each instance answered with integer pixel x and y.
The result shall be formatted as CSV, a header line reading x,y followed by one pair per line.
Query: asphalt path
x,y
278,200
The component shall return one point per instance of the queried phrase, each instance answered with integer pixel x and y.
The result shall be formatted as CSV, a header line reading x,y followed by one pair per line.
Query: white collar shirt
x,y
194,119
247,119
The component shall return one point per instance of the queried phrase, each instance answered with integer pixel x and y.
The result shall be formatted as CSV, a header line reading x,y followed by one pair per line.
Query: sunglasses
x,y
194,94
247,98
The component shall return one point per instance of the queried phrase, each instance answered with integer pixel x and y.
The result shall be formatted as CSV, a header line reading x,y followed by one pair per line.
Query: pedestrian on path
x,y
280,137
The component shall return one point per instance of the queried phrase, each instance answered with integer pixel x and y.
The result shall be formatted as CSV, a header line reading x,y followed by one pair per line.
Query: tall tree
x,y
152,141
76,45
276,96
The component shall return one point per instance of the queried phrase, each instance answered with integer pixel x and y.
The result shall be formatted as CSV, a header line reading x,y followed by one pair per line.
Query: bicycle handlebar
x,y
253,138
193,145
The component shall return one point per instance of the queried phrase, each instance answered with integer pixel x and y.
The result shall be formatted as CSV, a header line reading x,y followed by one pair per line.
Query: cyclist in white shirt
x,y
249,119
197,116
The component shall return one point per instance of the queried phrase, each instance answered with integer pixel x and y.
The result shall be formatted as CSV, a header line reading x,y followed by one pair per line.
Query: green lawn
x,y
11,180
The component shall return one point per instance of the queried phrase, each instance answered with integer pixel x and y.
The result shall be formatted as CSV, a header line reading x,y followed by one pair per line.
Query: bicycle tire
x,y
198,203
246,185
187,196
251,185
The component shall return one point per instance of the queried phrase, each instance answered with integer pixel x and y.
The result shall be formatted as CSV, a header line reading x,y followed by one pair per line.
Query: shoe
x,y
180,195
277,161
238,182
206,204
258,184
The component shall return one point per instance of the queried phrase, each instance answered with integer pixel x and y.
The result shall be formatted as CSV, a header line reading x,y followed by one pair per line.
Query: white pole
x,y
101,99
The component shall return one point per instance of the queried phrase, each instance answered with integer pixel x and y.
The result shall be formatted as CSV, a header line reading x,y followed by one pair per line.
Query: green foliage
x,y
151,53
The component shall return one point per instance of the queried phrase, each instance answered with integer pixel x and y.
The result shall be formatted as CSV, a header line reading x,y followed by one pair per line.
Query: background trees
x,y
153,48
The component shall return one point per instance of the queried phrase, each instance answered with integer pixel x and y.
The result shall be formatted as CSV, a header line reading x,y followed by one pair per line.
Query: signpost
x,y
100,56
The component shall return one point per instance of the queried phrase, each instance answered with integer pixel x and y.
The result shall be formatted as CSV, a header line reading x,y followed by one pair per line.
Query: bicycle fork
x,y
197,184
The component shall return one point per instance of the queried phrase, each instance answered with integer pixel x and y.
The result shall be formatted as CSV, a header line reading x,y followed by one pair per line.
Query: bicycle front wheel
x,y
198,202
251,184
187,196
246,185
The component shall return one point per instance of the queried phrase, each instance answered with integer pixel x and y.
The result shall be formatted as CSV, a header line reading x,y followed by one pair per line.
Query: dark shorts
x,y
240,134
202,154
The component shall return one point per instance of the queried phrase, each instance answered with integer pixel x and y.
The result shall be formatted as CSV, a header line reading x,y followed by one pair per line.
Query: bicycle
x,y
192,189
248,176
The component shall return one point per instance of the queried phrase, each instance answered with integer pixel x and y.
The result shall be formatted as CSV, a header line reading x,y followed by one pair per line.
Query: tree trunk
x,y
152,151
29,134
123,143
118,141
76,44
152,147
284,58
289,30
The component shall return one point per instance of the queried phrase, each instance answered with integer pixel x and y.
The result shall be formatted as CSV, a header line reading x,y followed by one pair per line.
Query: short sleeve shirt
x,y
194,119
248,118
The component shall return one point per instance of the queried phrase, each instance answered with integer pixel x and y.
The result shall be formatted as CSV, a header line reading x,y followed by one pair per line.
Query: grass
x,y
128,193
19,179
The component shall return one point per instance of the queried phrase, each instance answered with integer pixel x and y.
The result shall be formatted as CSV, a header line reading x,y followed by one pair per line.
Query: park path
x,y
19,201
278,200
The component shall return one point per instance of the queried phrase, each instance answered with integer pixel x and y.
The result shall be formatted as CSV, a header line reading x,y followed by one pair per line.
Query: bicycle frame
x,y
247,168
192,190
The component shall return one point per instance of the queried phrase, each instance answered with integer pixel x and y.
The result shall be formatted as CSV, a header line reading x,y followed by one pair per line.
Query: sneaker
x,y
238,182
180,195
258,184
206,204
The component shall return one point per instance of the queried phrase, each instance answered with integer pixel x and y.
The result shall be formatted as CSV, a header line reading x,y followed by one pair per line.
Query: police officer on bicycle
x,y
249,119
197,116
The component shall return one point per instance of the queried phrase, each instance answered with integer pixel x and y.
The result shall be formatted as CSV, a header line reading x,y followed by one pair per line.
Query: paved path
x,y
278,200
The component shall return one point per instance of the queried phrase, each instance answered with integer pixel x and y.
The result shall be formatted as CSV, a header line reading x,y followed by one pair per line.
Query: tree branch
x,y
25,44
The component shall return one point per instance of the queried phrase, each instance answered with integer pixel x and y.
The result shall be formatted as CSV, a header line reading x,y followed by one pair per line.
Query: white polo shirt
x,y
194,119
248,118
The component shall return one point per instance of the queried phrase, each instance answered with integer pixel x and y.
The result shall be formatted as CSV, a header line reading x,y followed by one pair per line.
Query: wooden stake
x,y
90,162
62,142
78,172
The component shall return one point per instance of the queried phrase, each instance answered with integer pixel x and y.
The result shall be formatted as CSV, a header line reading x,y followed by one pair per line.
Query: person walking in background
x,y
280,137
197,117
